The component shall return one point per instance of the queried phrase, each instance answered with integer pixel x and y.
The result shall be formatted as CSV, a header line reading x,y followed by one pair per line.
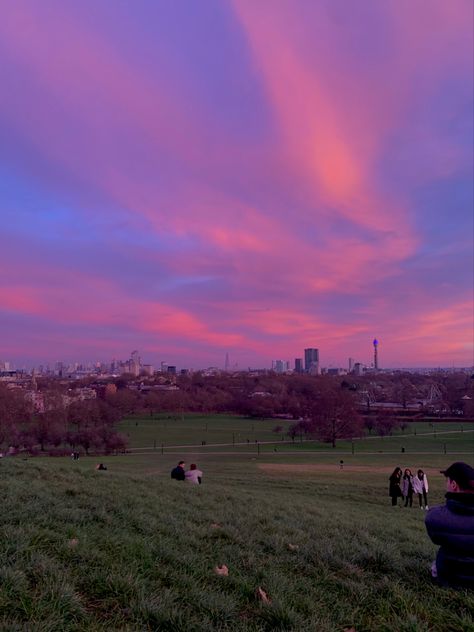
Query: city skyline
x,y
224,178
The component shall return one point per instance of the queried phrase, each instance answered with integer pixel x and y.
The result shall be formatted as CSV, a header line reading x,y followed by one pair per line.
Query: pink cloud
x,y
316,221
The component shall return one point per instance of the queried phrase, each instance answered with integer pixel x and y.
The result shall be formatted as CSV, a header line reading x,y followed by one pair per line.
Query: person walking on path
x,y
452,527
193,475
407,487
420,487
178,472
394,490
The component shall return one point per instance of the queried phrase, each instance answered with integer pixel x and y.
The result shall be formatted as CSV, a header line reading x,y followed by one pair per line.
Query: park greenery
x,y
291,529
61,415
308,543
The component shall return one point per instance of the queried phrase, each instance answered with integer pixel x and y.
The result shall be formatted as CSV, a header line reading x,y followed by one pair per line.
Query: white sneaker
x,y
421,508
426,508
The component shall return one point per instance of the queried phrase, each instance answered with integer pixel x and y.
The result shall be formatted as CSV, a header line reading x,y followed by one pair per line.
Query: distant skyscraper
x,y
298,365
278,366
311,360
227,361
351,364
135,364
376,360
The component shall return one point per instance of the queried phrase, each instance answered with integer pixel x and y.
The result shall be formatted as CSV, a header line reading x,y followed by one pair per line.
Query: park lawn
x,y
129,549
232,434
194,429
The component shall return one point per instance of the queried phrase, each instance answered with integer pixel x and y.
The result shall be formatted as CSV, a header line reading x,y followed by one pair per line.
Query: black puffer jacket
x,y
452,527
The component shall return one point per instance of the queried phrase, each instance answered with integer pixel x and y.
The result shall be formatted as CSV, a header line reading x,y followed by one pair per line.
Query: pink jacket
x,y
419,483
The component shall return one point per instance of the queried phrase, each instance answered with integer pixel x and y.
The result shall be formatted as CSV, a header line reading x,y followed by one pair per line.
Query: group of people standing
x,y
405,485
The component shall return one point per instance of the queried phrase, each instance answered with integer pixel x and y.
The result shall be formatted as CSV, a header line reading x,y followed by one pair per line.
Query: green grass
x,y
194,429
129,549
232,434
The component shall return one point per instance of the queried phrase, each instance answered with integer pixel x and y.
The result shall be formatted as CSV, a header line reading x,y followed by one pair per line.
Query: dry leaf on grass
x,y
293,547
350,629
73,543
221,570
216,525
262,595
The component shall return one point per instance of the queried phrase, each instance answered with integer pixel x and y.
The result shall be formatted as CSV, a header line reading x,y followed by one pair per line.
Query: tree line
x,y
89,425
323,407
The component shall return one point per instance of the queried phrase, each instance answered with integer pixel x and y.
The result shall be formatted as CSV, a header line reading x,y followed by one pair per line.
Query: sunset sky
x,y
191,178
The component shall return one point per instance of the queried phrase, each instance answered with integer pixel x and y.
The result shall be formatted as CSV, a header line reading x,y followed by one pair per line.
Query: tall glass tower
x,y
311,360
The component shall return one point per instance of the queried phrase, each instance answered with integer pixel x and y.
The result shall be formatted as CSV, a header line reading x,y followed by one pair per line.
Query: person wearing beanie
x,y
452,527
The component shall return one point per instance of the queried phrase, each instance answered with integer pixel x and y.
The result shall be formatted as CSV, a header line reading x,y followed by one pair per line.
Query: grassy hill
x,y
113,550
129,549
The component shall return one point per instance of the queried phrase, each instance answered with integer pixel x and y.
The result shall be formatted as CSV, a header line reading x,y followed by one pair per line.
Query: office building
x,y
298,365
311,361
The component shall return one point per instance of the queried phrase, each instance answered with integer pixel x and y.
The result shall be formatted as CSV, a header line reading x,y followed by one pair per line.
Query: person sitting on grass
x,y
193,475
452,527
420,487
178,472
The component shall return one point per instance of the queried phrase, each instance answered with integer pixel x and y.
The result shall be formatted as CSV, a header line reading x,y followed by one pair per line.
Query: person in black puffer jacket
x,y
452,527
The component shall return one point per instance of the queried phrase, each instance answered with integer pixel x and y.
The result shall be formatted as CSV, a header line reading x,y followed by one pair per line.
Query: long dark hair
x,y
397,472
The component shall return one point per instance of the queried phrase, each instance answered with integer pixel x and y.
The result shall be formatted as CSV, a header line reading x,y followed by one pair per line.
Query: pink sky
x,y
251,178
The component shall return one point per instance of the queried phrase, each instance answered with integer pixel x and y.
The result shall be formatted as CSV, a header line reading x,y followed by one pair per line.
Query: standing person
x,y
193,475
420,487
407,487
452,527
394,490
178,472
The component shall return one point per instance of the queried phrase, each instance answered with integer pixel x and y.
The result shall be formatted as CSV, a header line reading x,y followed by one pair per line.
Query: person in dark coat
x,y
394,489
452,527
178,472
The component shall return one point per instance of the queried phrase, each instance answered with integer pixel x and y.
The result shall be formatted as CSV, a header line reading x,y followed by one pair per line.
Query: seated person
x,y
193,475
178,472
452,527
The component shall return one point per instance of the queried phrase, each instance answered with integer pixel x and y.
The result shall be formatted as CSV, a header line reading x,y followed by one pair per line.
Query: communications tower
x,y
376,361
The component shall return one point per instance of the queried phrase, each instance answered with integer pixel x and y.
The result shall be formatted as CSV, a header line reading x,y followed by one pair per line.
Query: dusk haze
x,y
237,181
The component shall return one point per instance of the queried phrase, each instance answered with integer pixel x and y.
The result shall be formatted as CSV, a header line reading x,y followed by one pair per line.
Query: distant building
x,y
278,366
110,389
376,358
135,364
311,361
338,371
298,365
351,364
358,368
148,369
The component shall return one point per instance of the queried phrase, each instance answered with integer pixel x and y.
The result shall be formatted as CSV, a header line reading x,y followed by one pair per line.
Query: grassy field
x,y
223,433
129,549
